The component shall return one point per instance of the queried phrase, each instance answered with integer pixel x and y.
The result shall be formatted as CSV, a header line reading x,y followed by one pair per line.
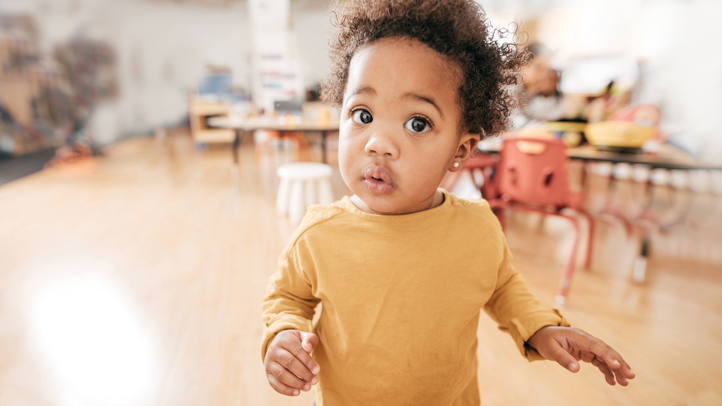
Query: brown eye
x,y
417,125
362,116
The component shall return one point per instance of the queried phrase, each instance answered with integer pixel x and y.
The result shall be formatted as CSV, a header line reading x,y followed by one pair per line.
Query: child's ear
x,y
467,146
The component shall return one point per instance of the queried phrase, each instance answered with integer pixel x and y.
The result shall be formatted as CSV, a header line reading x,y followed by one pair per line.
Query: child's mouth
x,y
378,180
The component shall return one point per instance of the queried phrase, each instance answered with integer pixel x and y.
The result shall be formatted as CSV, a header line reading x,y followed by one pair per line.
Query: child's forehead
x,y
391,49
404,62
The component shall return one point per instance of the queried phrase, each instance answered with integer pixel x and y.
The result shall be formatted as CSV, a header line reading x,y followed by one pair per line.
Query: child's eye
x,y
362,116
417,125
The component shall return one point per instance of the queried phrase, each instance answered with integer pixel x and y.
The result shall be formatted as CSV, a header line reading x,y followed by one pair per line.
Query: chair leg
x,y
640,262
500,215
625,223
569,266
590,238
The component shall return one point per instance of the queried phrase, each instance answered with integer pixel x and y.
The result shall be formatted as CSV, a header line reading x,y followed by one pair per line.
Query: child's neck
x,y
437,201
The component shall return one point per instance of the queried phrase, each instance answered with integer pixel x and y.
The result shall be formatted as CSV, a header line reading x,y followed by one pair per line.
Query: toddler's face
x,y
399,126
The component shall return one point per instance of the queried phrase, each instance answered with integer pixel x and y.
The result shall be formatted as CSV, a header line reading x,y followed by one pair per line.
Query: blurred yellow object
x,y
569,132
619,135
564,126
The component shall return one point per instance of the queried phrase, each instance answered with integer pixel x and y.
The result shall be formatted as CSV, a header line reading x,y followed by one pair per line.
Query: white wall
x,y
162,51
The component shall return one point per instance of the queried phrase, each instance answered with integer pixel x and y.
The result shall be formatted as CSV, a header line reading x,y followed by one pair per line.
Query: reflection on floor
x,y
137,281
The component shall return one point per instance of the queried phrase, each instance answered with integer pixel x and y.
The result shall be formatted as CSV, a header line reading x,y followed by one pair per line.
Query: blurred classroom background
x,y
156,156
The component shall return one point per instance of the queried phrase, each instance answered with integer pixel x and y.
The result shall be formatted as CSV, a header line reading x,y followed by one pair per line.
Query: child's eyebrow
x,y
371,91
427,100
365,89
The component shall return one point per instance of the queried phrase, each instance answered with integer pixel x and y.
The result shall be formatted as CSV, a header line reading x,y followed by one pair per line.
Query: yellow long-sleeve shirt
x,y
401,299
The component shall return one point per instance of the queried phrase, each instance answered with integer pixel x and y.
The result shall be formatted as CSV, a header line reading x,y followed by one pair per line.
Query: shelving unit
x,y
199,110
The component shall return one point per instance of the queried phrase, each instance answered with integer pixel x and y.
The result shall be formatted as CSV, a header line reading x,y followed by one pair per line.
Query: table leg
x,y
323,145
236,168
236,146
640,262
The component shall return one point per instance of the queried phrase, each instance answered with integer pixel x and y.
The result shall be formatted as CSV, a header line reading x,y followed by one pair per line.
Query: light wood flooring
x,y
136,279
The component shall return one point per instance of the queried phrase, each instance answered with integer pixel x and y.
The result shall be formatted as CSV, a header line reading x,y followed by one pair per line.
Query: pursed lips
x,y
377,179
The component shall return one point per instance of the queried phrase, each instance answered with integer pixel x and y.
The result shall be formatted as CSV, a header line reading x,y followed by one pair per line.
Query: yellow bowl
x,y
619,134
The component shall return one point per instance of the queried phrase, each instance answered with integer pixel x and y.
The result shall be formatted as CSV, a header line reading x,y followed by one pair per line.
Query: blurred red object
x,y
645,115
532,176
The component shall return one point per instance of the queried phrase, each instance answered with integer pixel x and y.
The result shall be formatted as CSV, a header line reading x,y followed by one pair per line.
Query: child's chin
x,y
380,204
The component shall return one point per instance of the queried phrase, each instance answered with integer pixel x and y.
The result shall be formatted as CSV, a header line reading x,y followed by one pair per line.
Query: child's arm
x,y
567,345
542,333
288,309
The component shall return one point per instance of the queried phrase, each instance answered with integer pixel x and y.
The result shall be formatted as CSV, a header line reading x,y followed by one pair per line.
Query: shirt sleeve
x,y
289,302
516,310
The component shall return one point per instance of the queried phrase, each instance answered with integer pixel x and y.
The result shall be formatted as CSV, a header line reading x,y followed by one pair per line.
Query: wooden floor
x,y
136,279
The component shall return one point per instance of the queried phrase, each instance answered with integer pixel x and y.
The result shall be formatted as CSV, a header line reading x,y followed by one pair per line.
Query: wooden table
x,y
271,124
668,157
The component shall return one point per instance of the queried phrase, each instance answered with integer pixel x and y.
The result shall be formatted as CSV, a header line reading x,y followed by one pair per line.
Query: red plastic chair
x,y
532,176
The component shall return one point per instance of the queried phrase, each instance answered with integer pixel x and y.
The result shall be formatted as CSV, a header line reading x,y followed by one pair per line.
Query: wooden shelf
x,y
199,110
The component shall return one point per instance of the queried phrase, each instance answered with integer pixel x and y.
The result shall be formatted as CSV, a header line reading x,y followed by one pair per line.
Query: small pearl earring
x,y
456,164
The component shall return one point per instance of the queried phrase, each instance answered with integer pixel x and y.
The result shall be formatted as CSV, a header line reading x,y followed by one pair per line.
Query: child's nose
x,y
382,142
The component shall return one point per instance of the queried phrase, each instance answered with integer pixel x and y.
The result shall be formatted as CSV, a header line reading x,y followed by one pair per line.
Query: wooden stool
x,y
302,184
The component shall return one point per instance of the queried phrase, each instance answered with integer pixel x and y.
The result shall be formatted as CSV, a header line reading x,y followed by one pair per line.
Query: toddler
x,y
402,268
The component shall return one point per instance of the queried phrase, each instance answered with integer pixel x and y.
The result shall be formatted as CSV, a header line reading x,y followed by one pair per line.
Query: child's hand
x,y
289,366
567,345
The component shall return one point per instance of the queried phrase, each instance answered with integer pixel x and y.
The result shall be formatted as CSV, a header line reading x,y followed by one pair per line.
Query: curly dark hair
x,y
458,29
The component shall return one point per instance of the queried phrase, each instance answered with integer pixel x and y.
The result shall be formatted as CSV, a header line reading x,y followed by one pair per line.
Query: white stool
x,y
302,184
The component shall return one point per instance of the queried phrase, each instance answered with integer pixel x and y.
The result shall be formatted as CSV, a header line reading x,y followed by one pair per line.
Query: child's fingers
x,y
287,378
624,369
617,364
620,377
309,341
600,349
292,363
281,388
296,349
562,357
608,375
622,374
586,356
627,370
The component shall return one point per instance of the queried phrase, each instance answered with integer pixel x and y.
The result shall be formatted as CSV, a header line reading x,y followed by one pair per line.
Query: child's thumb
x,y
309,341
